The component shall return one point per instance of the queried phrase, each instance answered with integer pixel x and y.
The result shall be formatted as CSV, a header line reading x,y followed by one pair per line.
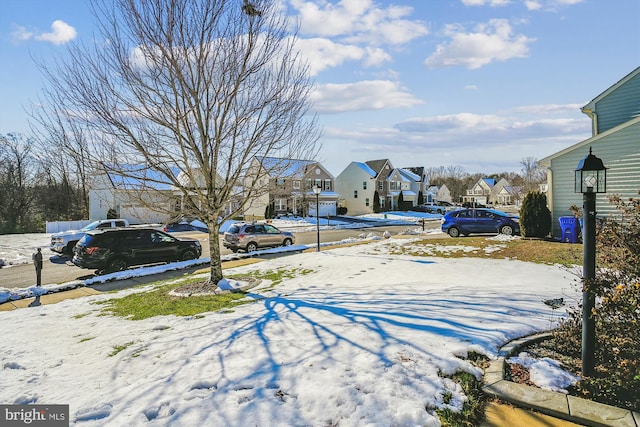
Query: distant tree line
x,y
37,184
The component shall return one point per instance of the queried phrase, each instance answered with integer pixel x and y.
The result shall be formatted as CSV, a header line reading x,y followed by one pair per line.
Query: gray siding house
x,y
615,116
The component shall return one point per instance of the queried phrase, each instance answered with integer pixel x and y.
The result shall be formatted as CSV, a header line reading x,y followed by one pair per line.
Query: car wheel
x,y
252,247
287,242
116,264
68,250
454,232
507,230
188,254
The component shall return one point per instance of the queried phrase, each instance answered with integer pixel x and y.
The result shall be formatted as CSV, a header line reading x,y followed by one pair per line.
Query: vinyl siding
x,y
619,106
620,152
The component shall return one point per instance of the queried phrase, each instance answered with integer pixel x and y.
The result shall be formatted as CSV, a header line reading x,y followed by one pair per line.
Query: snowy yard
x,y
361,340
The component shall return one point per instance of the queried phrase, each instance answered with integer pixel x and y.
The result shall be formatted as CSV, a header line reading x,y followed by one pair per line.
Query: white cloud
x,y
361,96
358,21
323,53
471,87
61,33
492,3
550,5
20,33
488,43
533,5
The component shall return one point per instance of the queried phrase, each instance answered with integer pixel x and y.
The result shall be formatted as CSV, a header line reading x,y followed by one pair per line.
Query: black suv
x,y
117,249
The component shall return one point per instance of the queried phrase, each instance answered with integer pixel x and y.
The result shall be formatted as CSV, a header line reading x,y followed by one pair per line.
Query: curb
x,y
558,405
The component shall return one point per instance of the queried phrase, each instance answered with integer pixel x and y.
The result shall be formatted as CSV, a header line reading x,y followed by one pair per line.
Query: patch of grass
x,y
80,316
531,250
86,339
158,301
472,413
118,348
277,276
473,409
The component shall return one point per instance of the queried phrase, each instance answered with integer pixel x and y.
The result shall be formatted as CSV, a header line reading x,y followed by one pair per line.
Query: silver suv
x,y
251,236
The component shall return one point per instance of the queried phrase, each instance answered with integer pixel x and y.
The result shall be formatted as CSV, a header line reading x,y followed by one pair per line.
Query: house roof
x,y
418,170
284,167
489,181
409,175
365,167
378,165
591,105
140,176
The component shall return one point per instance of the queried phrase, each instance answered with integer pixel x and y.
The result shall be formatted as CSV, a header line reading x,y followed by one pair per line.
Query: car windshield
x,y
91,226
497,212
234,229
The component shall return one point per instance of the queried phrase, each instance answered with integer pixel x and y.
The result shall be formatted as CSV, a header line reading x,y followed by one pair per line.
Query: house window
x,y
366,201
381,202
364,185
296,185
355,194
318,183
327,185
380,185
280,182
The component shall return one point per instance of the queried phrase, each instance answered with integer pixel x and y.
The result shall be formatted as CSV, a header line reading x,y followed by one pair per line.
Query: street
x,y
59,269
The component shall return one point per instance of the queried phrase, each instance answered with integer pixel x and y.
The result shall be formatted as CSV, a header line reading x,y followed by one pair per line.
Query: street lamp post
x,y
316,191
590,178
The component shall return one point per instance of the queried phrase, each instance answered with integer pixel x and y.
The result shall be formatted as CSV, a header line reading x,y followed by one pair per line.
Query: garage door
x,y
326,209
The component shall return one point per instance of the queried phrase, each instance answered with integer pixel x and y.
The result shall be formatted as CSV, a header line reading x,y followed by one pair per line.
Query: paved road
x,y
59,269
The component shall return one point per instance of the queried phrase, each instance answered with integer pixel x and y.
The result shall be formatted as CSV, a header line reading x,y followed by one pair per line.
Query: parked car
x,y
435,209
65,241
117,249
473,205
175,227
251,236
467,221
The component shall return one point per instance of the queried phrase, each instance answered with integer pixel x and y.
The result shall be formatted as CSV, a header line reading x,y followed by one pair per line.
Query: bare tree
x,y
63,150
532,173
190,91
17,178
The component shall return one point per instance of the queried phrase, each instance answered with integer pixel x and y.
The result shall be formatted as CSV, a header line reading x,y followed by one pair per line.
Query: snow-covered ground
x,y
363,338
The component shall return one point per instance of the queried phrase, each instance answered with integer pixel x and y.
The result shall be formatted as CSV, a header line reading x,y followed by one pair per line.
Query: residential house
x,y
423,186
480,192
403,182
488,191
443,194
615,123
356,185
361,184
143,196
288,187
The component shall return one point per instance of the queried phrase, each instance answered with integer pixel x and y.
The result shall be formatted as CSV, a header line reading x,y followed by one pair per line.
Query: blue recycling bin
x,y
570,227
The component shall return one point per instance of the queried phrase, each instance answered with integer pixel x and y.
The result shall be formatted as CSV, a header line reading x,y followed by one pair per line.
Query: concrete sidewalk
x,y
559,406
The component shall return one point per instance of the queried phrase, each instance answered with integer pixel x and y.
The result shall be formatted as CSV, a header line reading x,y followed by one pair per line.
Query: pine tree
x,y
535,216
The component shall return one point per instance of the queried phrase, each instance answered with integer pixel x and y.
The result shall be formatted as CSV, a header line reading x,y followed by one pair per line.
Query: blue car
x,y
467,221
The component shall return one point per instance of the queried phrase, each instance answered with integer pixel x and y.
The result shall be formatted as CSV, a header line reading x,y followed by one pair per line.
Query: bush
x,y
535,216
616,380
341,210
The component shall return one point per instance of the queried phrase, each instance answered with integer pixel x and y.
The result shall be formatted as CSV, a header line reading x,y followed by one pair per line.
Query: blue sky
x,y
479,84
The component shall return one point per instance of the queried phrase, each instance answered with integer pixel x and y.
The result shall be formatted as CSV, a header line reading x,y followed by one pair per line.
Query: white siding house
x,y
615,118
356,185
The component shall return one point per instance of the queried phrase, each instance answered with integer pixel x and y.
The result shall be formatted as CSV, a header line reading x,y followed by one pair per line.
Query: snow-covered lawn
x,y
361,340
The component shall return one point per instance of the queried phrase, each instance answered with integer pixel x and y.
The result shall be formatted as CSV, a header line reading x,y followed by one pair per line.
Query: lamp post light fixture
x,y
590,178
316,191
